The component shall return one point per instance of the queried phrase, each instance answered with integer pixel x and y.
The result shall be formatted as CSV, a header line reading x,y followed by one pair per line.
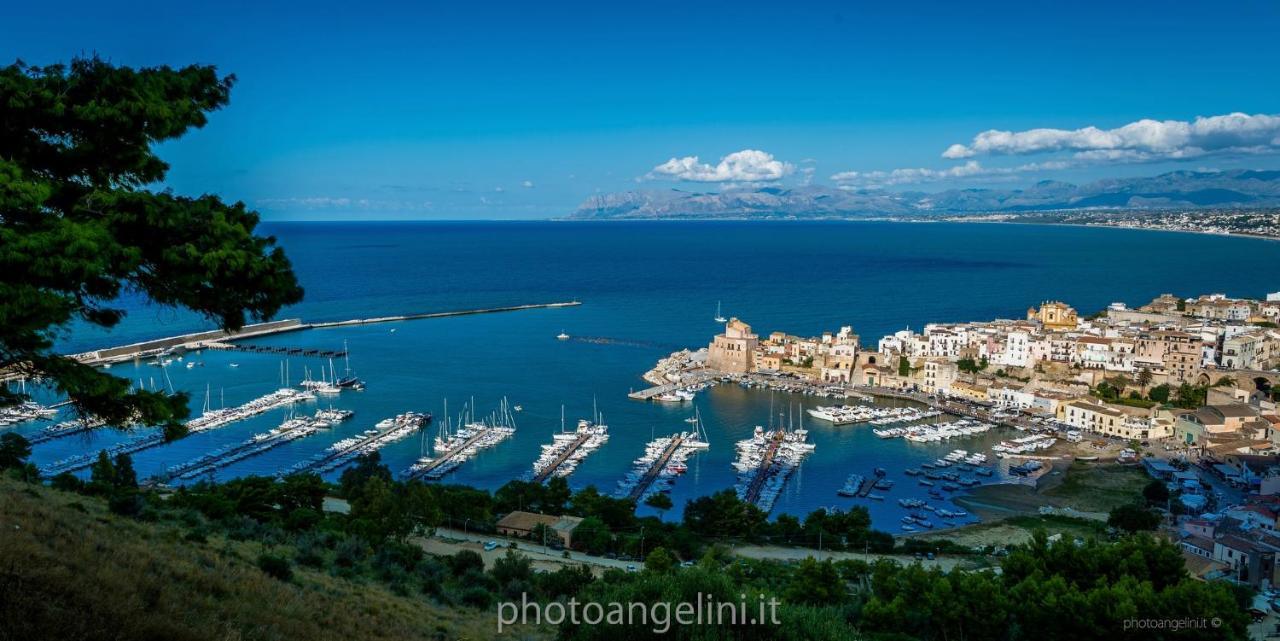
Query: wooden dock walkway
x,y
649,476
564,456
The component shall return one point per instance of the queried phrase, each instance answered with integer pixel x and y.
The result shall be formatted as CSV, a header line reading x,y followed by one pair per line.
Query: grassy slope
x,y
71,570
1099,487
1010,512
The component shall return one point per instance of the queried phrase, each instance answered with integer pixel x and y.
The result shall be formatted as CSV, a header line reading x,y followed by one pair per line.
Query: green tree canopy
x,y
81,223
14,450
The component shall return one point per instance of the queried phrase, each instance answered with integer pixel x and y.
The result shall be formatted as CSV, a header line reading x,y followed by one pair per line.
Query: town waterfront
x,y
647,289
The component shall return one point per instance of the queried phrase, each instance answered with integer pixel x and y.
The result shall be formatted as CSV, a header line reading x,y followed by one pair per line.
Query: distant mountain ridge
x,y
1178,189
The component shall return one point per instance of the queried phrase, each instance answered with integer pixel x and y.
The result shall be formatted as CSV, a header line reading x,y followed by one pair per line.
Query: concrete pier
x,y
220,339
694,378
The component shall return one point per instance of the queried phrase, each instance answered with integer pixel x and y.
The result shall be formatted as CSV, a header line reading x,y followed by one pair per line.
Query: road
x,y
450,541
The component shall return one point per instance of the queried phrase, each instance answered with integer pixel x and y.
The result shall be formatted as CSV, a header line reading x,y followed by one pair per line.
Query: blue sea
x,y
647,288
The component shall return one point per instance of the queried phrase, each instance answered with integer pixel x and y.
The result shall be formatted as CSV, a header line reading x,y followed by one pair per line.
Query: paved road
x,y
450,541
535,551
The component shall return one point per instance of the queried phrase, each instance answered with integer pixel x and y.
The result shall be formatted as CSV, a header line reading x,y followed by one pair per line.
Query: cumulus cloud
x,y
1139,141
748,165
972,170
528,184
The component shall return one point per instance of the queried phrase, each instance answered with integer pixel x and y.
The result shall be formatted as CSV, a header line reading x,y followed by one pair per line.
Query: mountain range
x,y
1178,189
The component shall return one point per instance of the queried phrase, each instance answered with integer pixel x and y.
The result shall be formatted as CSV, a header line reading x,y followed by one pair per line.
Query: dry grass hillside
x,y
71,570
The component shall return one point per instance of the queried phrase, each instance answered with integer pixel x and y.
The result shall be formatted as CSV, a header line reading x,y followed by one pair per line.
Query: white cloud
x,y
1138,141
748,165
528,184
972,170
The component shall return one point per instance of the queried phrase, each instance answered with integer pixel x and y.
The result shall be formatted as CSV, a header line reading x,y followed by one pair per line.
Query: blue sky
x,y
483,110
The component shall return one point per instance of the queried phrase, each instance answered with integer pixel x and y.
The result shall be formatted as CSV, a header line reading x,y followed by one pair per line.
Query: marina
x,y
25,412
345,451
663,461
766,461
730,409
1024,444
211,419
452,447
567,449
64,429
291,429
853,414
935,433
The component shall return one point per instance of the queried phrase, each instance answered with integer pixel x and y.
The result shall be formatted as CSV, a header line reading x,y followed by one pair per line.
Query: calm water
x,y
649,288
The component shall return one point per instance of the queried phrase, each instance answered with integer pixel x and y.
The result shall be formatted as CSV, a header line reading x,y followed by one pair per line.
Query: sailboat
x,y
348,379
719,316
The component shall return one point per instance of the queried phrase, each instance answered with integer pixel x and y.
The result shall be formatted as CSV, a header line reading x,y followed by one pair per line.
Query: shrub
x,y
465,561
477,597
126,503
275,566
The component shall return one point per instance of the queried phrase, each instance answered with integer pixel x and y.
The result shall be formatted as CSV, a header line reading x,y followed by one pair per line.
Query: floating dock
x,y
454,449
65,429
387,431
566,450
765,463
752,494
290,430
210,420
652,473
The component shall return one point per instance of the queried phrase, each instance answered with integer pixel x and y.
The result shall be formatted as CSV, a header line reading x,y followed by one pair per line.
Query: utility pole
x,y
641,542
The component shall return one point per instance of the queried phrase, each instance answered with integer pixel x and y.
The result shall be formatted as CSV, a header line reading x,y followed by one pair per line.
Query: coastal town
x,y
1185,389
1261,222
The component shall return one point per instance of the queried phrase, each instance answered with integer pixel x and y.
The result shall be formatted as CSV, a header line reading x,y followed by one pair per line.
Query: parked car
x,y
490,546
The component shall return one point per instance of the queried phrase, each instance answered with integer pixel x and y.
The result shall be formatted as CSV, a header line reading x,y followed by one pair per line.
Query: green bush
x,y
275,566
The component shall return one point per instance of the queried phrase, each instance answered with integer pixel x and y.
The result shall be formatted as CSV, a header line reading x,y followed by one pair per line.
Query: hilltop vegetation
x,y
257,558
73,570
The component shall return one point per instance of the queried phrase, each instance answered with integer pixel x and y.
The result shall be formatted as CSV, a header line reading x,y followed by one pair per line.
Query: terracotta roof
x,y
1201,567
1240,544
526,520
